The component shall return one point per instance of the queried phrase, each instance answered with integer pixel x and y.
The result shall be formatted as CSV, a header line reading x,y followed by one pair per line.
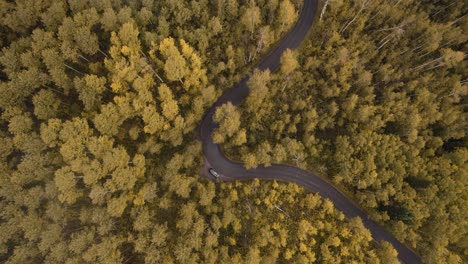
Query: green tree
x,y
387,254
66,182
109,120
46,104
251,18
258,87
175,66
90,89
109,20
287,14
228,119
288,62
54,15
154,122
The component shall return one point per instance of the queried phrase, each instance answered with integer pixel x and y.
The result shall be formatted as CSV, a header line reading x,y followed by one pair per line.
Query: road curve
x,y
231,170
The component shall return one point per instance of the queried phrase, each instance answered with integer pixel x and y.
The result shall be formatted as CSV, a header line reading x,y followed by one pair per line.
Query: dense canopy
x,y
100,101
376,102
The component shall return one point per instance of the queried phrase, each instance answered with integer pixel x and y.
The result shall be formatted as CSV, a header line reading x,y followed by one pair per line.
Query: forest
x,y
99,159
100,101
375,102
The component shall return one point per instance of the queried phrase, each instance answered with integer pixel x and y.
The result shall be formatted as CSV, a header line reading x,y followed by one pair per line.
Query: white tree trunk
x,y
323,9
363,6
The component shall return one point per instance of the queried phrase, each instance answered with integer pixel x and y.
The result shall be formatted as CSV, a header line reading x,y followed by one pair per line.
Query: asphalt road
x,y
231,170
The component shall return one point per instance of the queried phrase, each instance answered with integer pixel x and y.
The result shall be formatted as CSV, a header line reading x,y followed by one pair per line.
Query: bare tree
x,y
323,9
346,25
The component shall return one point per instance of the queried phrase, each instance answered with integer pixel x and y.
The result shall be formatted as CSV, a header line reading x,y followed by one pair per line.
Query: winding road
x,y
231,170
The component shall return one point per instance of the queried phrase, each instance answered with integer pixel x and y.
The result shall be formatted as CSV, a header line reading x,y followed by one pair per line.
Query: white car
x,y
214,173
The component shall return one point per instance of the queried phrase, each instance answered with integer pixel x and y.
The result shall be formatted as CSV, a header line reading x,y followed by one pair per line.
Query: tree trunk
x,y
363,6
323,10
149,65
427,63
103,53
71,68
83,57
